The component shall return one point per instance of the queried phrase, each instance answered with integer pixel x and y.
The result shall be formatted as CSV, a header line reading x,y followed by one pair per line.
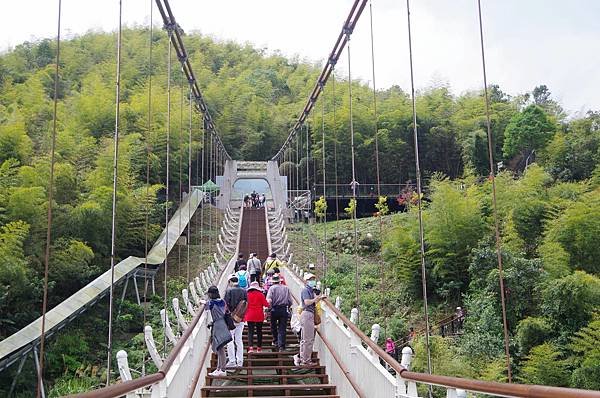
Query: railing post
x,y
354,315
375,331
164,317
152,346
407,357
123,366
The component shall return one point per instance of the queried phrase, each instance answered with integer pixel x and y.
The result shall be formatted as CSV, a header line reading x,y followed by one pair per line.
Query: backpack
x,y
242,279
240,310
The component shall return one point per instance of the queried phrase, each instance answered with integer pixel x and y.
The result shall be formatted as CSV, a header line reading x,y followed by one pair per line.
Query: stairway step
x,y
258,390
262,361
276,378
304,369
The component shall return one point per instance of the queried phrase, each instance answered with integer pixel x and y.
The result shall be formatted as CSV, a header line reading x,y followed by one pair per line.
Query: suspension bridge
x,y
347,362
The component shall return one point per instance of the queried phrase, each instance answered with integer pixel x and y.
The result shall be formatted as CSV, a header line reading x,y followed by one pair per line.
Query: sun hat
x,y
308,276
275,278
254,286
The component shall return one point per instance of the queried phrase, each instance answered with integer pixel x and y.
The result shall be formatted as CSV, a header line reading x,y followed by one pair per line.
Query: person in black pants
x,y
280,299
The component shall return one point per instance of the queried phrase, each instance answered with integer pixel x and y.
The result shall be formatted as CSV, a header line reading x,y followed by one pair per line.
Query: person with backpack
x,y
243,277
280,299
254,268
236,300
272,262
239,262
308,300
219,332
255,316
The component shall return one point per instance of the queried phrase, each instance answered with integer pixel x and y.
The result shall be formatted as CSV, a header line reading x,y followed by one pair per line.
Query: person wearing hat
x,y
268,278
272,262
280,299
255,316
219,332
254,268
307,321
234,295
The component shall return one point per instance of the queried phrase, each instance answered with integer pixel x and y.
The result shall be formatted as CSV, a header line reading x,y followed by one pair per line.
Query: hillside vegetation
x,y
550,213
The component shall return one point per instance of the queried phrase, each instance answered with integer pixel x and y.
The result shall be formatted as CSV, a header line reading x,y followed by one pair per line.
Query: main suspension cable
x,y
419,193
494,202
40,372
114,197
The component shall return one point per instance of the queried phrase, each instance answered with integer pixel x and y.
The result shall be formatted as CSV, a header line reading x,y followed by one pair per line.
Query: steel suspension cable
x,y
494,202
180,144
336,181
114,196
189,225
307,246
324,188
204,143
210,174
168,153
419,193
375,109
375,115
148,153
354,183
40,371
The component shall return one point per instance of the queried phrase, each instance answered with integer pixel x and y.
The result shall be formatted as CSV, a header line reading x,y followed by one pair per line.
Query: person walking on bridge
x,y
236,300
255,316
307,321
281,300
219,333
254,268
239,262
272,262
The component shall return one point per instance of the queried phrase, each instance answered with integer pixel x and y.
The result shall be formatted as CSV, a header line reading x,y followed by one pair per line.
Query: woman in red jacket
x,y
255,315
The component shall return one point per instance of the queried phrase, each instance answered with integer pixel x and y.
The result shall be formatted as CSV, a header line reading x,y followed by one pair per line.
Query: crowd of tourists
x,y
255,200
258,292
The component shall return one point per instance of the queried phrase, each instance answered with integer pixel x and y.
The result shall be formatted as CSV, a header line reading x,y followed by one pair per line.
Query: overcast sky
x,y
528,42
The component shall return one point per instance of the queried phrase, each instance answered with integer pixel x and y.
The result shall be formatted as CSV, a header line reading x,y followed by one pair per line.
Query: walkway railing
x,y
358,366
180,371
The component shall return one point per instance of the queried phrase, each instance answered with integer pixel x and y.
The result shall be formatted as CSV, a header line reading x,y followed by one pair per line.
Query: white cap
x,y
311,266
308,276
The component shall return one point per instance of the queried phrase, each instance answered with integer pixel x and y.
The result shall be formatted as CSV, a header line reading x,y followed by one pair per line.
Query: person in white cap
x,y
236,296
307,321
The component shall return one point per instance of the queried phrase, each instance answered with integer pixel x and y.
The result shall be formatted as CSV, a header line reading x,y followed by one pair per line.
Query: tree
x,y
532,331
587,356
321,208
454,225
569,302
543,366
527,131
14,143
576,231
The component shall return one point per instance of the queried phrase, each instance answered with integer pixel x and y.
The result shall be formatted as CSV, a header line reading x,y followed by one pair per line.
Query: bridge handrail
x,y
118,390
479,386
